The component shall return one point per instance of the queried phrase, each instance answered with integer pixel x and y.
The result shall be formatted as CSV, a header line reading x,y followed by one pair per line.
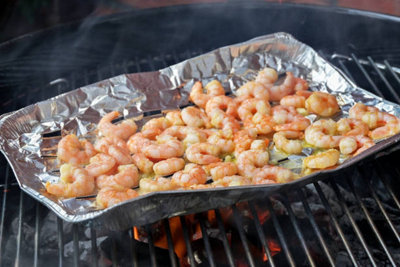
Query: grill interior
x,y
351,218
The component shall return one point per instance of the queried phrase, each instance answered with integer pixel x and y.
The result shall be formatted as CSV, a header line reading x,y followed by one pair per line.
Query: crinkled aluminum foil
x,y
28,137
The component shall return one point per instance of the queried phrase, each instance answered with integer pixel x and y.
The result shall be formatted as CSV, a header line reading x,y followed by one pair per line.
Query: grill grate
x,y
350,230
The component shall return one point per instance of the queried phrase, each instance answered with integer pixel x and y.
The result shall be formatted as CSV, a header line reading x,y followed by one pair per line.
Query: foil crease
x,y
29,136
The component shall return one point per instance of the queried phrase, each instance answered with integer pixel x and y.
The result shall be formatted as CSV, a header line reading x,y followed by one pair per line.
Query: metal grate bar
x,y
385,183
76,244
3,211
187,241
315,227
206,241
346,70
132,245
335,223
298,230
373,85
152,250
382,209
37,235
280,233
19,234
224,239
60,242
352,222
170,243
390,68
388,85
261,235
93,238
371,223
242,235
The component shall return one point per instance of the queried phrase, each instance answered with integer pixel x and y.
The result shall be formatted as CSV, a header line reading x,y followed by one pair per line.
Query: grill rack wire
x,y
375,76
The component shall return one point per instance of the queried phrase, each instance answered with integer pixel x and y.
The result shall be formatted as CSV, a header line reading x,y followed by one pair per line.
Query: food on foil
x,y
222,141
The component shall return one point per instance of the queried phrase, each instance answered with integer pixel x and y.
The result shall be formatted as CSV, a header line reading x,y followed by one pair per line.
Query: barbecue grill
x,y
350,218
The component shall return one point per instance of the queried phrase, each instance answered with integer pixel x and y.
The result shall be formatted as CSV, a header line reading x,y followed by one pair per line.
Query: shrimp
x,y
300,84
322,134
168,166
123,130
108,196
100,164
303,93
295,101
175,117
277,92
252,90
322,160
195,117
349,126
115,147
137,142
144,164
282,141
223,105
288,119
126,177
74,182
267,76
72,150
166,147
159,183
203,153
249,107
229,123
273,174
250,161
221,169
259,145
322,104
191,175
187,134
263,124
357,144
224,140
243,140
197,96
381,123
234,180
152,128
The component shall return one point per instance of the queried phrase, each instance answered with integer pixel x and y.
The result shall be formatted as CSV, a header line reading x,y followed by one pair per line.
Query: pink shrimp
x,y
144,164
233,180
195,117
277,92
74,182
300,84
322,104
251,90
159,183
322,160
126,177
249,107
137,142
72,150
295,101
108,196
100,164
175,117
187,134
288,119
221,169
243,140
273,174
166,147
224,140
203,153
283,141
249,162
263,124
267,76
197,96
168,166
191,175
357,144
123,130
115,147
152,128
322,134
221,104
349,126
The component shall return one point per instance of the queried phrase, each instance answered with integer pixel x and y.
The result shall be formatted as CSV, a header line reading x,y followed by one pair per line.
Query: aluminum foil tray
x,y
29,136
